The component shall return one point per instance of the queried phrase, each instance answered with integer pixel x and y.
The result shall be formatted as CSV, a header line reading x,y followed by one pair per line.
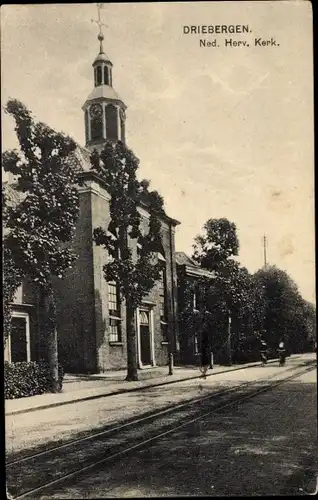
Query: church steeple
x,y
104,111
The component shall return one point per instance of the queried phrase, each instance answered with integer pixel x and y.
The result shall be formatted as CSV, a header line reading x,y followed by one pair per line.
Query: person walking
x,y
205,347
263,352
281,354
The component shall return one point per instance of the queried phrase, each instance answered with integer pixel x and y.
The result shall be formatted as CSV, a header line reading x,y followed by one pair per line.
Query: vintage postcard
x,y
158,249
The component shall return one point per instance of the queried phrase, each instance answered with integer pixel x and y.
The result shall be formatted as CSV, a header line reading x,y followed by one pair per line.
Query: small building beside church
x,y
188,275
90,313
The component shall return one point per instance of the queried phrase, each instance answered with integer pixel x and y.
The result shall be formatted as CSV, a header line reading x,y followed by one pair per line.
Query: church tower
x,y
104,111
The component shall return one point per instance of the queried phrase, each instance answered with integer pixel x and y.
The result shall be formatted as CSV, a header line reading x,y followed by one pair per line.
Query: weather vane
x,y
100,24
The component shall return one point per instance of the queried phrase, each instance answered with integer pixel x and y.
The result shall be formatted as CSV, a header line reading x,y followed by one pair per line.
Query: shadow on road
x,y
262,447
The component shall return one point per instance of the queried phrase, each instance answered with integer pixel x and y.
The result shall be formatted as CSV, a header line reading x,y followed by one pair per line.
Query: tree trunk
x,y
50,337
132,373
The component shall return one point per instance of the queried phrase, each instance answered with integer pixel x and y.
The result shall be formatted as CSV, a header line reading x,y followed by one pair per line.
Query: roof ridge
x,y
186,260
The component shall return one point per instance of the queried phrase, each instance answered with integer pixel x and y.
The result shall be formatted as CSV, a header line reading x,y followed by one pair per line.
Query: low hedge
x,y
28,379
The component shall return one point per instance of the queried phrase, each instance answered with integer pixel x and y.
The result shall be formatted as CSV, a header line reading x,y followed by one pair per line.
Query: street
x,y
159,294
262,445
265,446
57,425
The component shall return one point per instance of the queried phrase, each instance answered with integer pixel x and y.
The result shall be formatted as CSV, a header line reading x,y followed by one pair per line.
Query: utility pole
x,y
229,347
264,245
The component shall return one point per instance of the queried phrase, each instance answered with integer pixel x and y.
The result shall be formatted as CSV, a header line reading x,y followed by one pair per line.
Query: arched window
x,y
106,79
99,75
111,122
96,129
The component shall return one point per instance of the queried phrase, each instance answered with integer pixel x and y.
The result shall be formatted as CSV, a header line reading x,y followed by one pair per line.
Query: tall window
x,y
98,75
114,296
18,343
111,122
106,79
114,312
113,302
163,305
96,128
195,296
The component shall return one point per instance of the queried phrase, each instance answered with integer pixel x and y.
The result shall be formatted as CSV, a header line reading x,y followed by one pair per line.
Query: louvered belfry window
x,y
106,79
111,122
98,75
96,129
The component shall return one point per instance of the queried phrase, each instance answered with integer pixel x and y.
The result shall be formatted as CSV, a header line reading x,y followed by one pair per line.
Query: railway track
x,y
30,475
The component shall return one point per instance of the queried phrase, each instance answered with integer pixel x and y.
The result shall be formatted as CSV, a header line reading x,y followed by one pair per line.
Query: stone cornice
x,y
98,181
198,272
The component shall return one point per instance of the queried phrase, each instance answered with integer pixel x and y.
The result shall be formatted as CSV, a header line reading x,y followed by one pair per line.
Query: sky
x,y
220,131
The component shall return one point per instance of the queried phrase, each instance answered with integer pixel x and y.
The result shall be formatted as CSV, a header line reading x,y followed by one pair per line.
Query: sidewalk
x,y
87,387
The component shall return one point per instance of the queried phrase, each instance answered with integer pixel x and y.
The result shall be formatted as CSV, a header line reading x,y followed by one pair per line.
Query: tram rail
x,y
56,465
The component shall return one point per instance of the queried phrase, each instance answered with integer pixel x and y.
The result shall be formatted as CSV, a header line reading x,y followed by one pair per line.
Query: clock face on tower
x,y
96,111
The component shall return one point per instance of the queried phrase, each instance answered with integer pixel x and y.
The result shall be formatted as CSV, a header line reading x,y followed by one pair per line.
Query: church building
x,y
90,312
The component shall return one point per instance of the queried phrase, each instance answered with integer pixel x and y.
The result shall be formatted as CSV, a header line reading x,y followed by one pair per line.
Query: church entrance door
x,y
145,337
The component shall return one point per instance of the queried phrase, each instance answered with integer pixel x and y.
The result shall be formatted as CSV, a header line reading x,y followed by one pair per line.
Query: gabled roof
x,y
191,267
182,259
13,196
82,157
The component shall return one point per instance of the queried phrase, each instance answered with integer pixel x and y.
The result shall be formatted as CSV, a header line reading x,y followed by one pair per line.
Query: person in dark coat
x,y
281,354
263,352
205,349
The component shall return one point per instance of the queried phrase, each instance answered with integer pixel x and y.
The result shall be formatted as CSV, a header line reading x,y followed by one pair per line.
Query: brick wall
x,y
75,298
82,298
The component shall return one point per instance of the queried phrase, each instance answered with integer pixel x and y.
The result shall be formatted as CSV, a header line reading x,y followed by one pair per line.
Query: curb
x,y
123,391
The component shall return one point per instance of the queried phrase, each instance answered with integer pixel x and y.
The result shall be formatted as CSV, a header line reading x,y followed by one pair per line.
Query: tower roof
x,y
106,92
102,57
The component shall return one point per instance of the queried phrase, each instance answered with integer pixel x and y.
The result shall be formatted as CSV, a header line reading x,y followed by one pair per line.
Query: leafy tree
x,y
265,305
285,314
214,250
39,227
117,166
217,244
196,320
309,316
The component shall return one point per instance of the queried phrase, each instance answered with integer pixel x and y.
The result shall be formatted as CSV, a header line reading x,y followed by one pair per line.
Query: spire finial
x,y
100,24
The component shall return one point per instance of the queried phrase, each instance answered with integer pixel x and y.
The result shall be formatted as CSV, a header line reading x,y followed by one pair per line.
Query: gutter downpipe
x,y
172,346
